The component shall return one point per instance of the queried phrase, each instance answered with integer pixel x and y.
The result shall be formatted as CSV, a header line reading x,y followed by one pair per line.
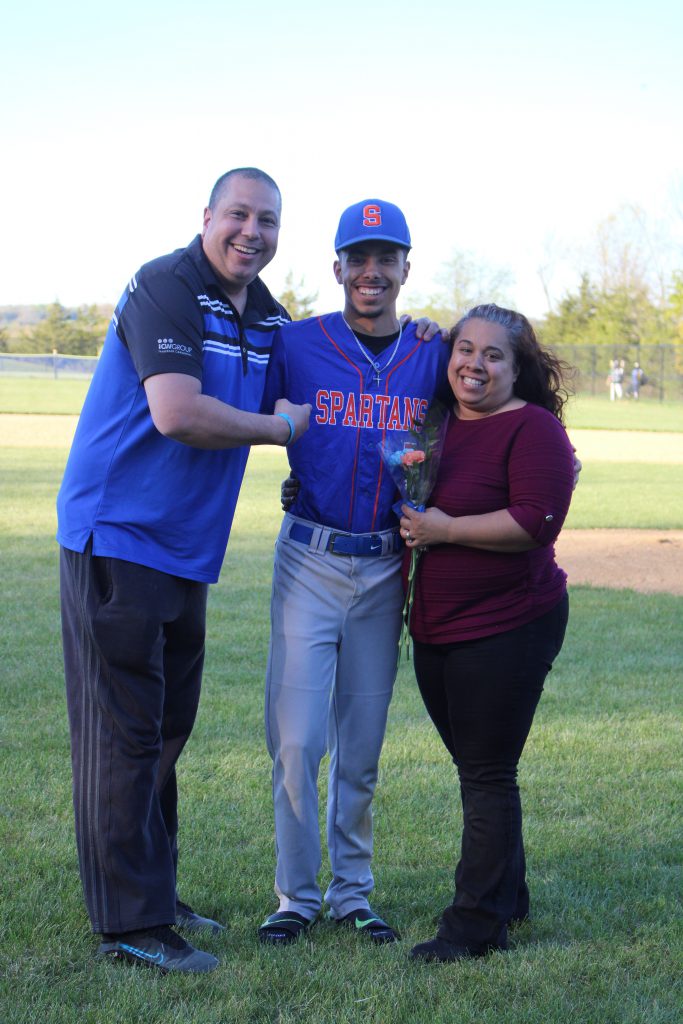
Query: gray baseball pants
x,y
335,621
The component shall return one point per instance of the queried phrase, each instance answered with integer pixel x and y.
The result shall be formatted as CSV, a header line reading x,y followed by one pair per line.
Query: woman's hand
x,y
491,531
419,529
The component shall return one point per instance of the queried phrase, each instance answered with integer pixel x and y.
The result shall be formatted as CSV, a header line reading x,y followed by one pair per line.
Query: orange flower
x,y
410,458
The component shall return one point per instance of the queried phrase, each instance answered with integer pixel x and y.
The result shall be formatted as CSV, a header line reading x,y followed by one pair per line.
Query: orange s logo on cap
x,y
372,216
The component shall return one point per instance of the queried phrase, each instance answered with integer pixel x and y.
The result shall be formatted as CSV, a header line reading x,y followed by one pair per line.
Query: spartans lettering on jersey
x,y
365,410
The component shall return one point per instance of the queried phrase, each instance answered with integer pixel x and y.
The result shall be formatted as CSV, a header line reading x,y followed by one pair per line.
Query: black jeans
x,y
133,655
481,696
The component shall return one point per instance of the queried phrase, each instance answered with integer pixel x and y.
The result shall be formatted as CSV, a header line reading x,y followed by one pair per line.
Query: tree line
x,y
54,328
628,295
40,330
628,291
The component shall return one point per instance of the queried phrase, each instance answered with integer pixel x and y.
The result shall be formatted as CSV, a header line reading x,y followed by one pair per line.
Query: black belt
x,y
365,545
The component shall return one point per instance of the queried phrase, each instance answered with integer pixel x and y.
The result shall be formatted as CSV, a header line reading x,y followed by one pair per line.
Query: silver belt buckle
x,y
330,544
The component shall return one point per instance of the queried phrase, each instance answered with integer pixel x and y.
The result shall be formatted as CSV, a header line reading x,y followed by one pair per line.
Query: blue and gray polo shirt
x,y
141,496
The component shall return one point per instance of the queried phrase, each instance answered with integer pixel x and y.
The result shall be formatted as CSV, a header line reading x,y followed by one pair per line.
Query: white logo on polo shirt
x,y
169,345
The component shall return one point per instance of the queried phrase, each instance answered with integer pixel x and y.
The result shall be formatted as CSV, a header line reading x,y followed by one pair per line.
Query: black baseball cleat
x,y
441,951
189,921
159,947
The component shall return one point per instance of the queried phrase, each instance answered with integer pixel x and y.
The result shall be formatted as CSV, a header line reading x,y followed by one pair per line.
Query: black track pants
x,y
133,654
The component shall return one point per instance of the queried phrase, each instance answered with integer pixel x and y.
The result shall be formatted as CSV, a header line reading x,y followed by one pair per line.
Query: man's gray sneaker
x,y
158,947
187,919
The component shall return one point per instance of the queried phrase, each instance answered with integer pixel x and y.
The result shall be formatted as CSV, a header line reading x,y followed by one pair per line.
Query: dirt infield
x,y
648,561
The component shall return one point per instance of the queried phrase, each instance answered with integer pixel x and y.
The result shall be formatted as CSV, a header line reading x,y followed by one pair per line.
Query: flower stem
x,y
404,639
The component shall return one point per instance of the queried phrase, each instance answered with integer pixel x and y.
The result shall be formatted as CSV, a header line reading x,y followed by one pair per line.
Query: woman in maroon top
x,y
490,608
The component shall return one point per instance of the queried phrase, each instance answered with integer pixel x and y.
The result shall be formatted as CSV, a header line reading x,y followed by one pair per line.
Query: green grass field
x,y
38,395
598,413
600,780
41,395
640,495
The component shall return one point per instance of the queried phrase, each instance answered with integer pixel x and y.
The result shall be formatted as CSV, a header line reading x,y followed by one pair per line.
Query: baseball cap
x,y
372,220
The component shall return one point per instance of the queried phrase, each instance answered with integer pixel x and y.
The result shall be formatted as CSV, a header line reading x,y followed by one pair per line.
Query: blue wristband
x,y
290,423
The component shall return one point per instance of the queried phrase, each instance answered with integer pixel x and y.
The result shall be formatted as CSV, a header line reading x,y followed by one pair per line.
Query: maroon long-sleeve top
x,y
521,461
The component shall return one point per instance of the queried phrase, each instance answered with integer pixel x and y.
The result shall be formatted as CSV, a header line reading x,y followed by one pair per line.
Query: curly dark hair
x,y
542,378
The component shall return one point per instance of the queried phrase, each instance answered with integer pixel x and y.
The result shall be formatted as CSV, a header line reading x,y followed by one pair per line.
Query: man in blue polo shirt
x,y
144,515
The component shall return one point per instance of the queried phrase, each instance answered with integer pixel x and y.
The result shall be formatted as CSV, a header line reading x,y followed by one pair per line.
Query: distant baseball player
x,y
145,510
337,595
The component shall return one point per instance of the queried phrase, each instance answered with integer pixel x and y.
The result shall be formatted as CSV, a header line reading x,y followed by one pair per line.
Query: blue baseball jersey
x,y
143,497
344,482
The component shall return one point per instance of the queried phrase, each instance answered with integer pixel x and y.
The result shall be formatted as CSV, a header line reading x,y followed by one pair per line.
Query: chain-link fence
x,y
55,366
661,366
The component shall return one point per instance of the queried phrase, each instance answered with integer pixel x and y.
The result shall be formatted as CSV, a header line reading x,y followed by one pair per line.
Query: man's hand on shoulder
x,y
289,489
578,466
426,329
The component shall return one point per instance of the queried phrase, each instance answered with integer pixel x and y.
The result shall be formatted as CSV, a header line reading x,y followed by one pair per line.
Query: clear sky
x,y
496,126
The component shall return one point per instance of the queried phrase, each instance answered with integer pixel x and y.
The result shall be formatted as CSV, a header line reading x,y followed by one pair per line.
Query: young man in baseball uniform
x,y
337,595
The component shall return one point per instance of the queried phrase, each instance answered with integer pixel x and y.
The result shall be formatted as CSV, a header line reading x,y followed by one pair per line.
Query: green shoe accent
x,y
370,920
282,920
365,921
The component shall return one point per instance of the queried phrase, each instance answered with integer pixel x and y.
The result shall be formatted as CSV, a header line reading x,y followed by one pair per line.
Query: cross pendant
x,y
377,378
